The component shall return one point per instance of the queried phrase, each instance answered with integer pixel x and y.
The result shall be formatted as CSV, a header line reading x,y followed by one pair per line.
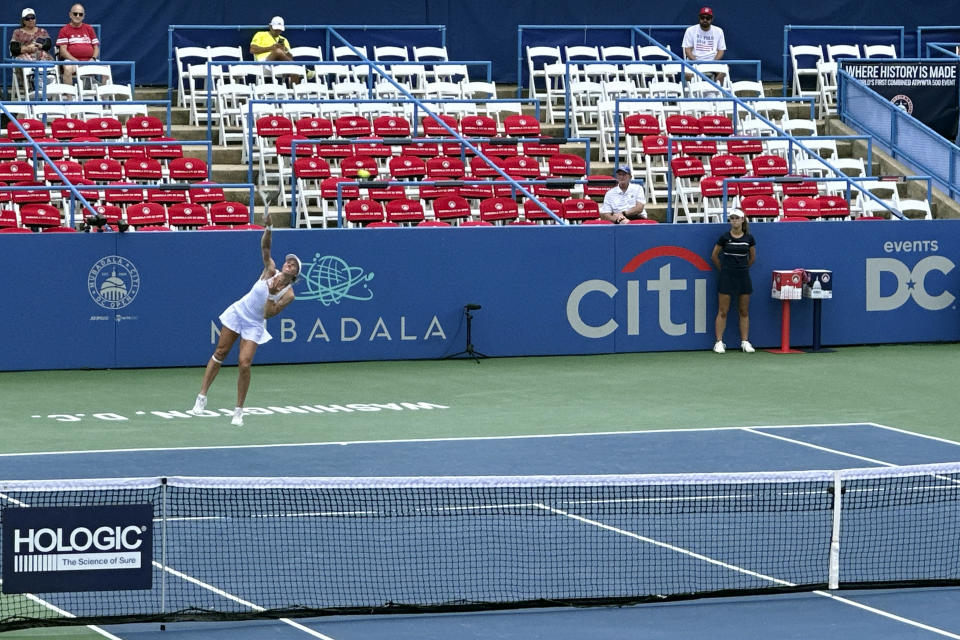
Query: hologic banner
x,y
57,549
927,90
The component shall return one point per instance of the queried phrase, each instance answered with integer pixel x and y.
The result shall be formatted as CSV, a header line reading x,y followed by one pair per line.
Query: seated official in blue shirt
x,y
624,202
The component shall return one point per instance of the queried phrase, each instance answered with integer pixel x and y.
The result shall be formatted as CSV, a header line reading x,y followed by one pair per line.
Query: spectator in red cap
x,y
704,41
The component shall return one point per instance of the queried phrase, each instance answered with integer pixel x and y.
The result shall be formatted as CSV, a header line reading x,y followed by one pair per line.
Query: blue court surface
x,y
902,613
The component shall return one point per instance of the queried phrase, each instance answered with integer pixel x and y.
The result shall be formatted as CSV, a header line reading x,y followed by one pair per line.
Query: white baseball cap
x,y
293,256
276,22
27,12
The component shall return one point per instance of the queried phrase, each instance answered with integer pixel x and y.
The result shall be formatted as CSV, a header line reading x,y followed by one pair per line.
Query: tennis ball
x,y
363,174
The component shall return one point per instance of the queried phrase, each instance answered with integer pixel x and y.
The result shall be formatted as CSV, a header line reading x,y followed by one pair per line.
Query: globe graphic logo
x,y
330,280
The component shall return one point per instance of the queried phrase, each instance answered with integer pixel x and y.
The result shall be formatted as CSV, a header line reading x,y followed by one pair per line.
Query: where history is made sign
x,y
926,89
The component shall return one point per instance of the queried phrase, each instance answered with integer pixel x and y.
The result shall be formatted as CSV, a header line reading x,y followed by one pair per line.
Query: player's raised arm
x,y
269,267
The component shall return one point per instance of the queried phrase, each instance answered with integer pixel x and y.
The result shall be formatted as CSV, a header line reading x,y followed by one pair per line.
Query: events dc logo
x,y
911,283
113,282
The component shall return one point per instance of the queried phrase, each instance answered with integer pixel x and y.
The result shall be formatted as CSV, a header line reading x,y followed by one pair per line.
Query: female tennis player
x,y
247,319
733,254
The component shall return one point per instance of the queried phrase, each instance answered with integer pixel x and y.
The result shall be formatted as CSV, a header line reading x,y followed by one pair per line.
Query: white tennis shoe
x,y
200,404
719,347
237,420
746,346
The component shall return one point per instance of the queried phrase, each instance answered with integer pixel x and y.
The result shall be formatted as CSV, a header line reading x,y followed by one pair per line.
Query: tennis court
x,y
466,430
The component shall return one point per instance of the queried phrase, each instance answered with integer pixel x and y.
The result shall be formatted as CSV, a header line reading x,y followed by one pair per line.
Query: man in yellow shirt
x,y
271,45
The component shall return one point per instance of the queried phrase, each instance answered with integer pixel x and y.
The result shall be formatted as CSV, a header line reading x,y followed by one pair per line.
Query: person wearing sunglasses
x,y
77,41
30,42
705,41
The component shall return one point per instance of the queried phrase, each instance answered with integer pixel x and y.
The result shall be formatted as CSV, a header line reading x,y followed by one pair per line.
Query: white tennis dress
x,y
246,315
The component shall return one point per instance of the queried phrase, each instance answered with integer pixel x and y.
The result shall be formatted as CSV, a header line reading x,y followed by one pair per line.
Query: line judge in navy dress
x,y
733,254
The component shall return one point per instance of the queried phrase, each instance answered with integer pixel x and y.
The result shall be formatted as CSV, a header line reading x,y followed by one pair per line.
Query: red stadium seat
x,y
143,170
682,125
533,212
145,127
32,126
760,207
580,209
15,170
405,167
716,125
188,215
206,193
362,211
641,124
769,166
801,207
68,128
314,127
350,165
445,168
146,213
567,164
391,126
105,128
480,168
430,126
353,127
833,207
39,215
498,210
405,210
521,126
188,170
103,170
728,166
451,207
229,213
478,127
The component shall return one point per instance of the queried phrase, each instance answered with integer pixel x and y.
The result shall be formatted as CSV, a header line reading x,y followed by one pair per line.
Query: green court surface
x,y
913,387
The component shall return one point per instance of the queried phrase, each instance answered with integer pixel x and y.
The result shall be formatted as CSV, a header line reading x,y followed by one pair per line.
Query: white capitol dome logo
x,y
113,282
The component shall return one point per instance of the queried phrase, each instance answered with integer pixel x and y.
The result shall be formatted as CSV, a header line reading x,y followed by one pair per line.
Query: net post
x,y
834,573
163,545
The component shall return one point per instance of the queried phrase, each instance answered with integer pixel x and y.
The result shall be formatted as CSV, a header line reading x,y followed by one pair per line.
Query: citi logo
x,y
911,283
664,286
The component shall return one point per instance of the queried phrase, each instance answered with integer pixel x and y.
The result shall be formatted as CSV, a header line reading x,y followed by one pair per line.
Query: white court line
x,y
819,447
919,435
745,571
238,600
449,439
67,614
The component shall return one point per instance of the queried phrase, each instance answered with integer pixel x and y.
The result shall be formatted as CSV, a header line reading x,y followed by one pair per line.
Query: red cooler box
x,y
787,285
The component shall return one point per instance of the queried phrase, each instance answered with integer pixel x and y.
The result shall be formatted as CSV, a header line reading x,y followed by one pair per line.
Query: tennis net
x,y
234,548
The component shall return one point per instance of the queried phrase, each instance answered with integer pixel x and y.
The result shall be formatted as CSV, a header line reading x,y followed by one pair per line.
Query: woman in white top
x,y
247,319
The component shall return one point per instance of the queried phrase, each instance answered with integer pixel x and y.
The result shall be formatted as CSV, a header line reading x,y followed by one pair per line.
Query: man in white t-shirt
x,y
624,202
704,41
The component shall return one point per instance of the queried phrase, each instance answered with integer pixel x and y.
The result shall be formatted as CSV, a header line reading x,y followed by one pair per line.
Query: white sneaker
x,y
237,420
719,347
200,404
746,346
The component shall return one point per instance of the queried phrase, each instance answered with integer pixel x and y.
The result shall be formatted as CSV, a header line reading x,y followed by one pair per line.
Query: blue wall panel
x,y
400,293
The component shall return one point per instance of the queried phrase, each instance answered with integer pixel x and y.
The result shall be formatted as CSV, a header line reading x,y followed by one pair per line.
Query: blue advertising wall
x,y
147,299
